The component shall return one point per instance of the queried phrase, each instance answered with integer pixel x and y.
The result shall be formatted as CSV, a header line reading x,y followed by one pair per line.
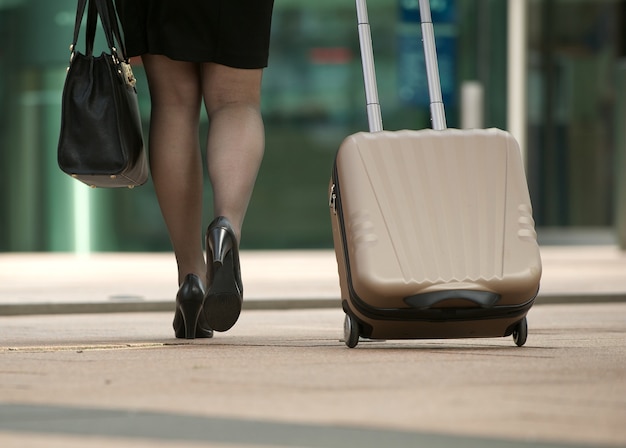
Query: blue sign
x,y
442,11
412,80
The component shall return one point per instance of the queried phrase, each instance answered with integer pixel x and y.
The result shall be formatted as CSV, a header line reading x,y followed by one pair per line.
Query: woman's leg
x,y
236,139
175,157
234,151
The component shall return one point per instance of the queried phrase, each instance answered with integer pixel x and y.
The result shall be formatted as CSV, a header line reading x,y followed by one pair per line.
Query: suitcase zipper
x,y
332,200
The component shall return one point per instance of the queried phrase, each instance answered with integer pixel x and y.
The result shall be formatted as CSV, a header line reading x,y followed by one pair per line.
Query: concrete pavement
x,y
282,377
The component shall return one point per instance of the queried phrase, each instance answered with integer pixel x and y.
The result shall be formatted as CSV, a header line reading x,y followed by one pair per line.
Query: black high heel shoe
x,y
189,321
224,298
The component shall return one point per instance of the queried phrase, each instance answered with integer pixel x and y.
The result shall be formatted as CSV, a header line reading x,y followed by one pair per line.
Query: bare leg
x,y
236,137
175,158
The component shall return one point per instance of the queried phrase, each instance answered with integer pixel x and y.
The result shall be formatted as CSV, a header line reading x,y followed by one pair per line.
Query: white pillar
x,y
82,218
517,71
472,105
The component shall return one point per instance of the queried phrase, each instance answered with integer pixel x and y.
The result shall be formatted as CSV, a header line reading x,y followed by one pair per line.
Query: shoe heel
x,y
190,311
220,243
189,301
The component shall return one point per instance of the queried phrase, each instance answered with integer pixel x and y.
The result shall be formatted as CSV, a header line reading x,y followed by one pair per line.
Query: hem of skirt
x,y
229,61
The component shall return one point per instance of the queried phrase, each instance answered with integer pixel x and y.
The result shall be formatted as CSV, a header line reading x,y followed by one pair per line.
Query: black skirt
x,y
229,32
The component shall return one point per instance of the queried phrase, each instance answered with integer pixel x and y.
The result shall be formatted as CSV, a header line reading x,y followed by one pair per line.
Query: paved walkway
x,y
113,282
282,377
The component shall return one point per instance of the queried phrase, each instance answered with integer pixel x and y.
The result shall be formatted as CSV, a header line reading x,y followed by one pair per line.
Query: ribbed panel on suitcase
x,y
430,210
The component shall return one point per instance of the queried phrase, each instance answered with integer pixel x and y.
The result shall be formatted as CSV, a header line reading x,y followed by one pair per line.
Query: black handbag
x,y
101,139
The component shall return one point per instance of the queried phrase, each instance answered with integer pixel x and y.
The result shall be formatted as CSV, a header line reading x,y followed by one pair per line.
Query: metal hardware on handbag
x,y
127,73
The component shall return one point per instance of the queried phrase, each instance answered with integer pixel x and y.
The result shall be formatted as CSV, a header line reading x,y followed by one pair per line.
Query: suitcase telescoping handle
x,y
374,117
437,112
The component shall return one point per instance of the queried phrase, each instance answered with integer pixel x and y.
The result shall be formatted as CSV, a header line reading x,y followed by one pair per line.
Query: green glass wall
x,y
313,98
575,49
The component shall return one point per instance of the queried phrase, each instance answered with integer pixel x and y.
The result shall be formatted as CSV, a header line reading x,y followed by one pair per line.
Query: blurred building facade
x,y
575,91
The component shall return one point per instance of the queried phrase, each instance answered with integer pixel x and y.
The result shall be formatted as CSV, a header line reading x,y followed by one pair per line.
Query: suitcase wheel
x,y
521,332
351,331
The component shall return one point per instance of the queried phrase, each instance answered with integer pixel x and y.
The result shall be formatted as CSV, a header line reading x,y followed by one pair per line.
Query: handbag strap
x,y
80,11
92,20
110,25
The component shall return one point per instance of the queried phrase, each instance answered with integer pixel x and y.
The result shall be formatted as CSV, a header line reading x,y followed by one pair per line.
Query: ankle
x,y
200,271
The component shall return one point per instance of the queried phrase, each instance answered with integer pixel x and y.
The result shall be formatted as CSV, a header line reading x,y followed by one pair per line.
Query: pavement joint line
x,y
84,348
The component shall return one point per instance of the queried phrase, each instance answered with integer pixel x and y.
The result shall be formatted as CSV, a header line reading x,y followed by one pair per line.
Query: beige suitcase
x,y
433,229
